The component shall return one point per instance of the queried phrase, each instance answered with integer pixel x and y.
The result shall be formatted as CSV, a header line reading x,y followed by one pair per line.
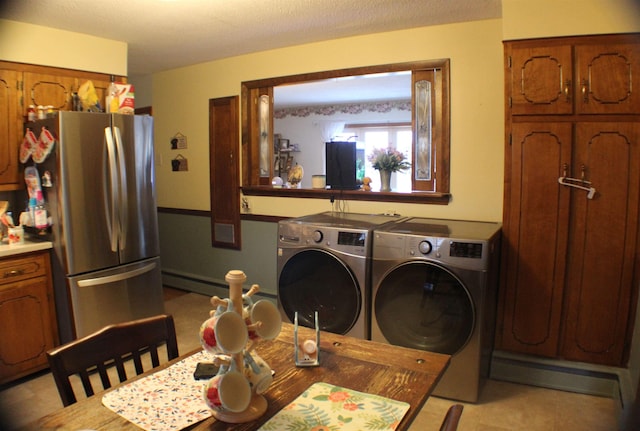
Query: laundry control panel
x,y
471,250
356,239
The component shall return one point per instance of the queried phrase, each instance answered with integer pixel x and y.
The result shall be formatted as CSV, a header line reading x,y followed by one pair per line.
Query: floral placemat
x,y
325,407
168,400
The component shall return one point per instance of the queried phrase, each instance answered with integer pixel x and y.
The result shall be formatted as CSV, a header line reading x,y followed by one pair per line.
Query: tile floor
x,y
502,406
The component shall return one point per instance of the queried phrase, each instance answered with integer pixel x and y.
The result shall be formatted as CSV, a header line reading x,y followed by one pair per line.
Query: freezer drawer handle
x,y
116,277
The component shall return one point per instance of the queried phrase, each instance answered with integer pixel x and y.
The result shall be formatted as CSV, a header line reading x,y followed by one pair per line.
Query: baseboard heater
x,y
568,376
199,284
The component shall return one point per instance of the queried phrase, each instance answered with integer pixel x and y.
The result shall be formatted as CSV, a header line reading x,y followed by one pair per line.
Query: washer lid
x,y
458,229
345,220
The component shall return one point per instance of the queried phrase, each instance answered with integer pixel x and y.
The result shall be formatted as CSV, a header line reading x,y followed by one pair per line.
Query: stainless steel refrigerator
x,y
99,189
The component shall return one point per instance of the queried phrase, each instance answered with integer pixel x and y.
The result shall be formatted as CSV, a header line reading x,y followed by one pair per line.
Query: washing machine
x,y
434,287
324,264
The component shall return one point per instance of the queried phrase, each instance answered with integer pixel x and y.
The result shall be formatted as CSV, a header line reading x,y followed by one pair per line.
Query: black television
x,y
341,165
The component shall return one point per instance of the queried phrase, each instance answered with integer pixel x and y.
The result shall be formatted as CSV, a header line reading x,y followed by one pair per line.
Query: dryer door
x,y
424,306
315,280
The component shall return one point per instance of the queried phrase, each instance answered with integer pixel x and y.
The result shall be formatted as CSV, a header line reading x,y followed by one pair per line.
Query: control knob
x,y
317,236
425,247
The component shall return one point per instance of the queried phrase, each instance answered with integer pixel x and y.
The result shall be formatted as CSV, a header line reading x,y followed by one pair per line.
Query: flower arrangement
x,y
388,159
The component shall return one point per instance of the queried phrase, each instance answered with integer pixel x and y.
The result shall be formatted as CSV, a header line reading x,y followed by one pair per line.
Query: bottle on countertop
x,y
32,210
111,99
76,103
32,115
40,219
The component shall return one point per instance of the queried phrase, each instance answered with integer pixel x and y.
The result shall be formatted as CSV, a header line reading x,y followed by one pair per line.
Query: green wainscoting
x,y
189,262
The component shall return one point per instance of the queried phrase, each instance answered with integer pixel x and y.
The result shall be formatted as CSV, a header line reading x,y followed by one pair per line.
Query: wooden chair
x,y
451,419
112,345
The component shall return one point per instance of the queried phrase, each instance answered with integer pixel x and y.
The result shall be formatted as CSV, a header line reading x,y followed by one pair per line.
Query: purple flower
x,y
388,159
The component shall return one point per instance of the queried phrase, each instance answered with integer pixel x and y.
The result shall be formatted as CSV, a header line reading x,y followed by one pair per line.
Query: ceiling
x,y
351,89
166,34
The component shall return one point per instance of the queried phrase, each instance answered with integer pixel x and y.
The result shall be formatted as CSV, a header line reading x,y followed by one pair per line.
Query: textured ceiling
x,y
165,34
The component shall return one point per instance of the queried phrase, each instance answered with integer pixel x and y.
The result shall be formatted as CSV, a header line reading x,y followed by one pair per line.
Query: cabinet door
x,y
535,234
539,80
56,89
608,79
27,332
224,172
603,245
45,89
10,127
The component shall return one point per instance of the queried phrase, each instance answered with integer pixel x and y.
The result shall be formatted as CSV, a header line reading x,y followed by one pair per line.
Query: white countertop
x,y
28,246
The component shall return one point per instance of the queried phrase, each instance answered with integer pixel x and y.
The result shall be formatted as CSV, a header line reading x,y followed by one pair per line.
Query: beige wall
x,y
34,44
526,19
180,97
180,101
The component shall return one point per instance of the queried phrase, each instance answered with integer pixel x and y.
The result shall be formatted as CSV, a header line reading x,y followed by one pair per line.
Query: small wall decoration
x,y
179,142
179,164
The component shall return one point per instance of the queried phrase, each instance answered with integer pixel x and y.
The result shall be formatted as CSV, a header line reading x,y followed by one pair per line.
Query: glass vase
x,y
385,181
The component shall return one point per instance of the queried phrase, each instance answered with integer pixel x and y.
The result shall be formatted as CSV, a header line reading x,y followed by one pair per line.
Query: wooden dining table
x,y
394,372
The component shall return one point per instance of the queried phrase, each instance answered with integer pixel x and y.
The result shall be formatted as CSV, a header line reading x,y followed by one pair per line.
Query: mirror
x,y
364,109
404,106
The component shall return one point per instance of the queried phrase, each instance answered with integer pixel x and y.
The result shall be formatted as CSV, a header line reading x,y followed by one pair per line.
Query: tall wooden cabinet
x,y
570,257
22,85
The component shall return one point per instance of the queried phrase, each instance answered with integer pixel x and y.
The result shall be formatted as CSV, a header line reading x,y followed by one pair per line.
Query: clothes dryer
x,y
434,288
324,264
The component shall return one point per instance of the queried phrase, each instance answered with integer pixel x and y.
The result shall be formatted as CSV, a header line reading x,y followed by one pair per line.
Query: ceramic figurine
x,y
366,184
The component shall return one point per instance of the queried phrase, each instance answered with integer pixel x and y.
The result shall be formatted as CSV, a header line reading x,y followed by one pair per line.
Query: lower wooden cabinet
x,y
27,315
569,257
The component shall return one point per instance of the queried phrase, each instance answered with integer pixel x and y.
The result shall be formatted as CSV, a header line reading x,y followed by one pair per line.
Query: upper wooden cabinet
x,y
10,127
592,75
57,89
22,85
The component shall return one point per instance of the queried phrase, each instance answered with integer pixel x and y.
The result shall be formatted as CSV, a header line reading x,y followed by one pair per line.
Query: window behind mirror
x,y
379,136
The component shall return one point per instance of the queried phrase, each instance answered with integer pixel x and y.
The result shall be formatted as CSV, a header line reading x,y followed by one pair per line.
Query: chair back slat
x,y
107,347
104,376
137,361
122,373
155,360
86,383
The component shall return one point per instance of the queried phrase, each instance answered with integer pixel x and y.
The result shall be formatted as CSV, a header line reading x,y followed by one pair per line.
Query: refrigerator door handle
x,y
117,277
122,190
110,210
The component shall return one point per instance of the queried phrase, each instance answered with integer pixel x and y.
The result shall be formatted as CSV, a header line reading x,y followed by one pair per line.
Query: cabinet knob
x,y
567,90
